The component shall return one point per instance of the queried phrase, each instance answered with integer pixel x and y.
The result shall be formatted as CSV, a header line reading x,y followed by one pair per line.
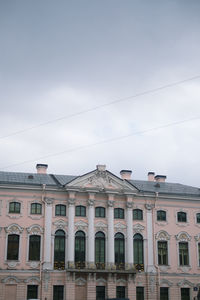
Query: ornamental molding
x,y
32,280
14,229
71,201
101,281
185,282
110,203
121,281
101,225
162,236
197,237
129,204
80,281
35,229
91,202
60,224
166,282
81,225
183,237
120,226
10,280
48,201
12,264
149,206
138,228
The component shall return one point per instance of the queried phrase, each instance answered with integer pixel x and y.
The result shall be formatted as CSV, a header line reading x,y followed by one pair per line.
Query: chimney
x,y
101,168
151,176
126,174
160,178
41,168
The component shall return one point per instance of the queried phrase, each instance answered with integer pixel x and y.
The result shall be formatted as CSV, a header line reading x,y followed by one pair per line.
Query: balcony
x,y
80,265
120,266
139,267
59,265
100,266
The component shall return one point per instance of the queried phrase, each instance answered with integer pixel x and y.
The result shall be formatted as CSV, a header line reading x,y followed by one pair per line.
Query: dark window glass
x,y
14,207
182,217
185,294
137,214
120,291
139,293
100,212
119,213
164,295
59,250
80,249
36,209
100,250
198,218
138,250
100,293
199,252
34,247
60,210
58,292
161,215
13,247
162,253
119,251
80,211
32,292
183,254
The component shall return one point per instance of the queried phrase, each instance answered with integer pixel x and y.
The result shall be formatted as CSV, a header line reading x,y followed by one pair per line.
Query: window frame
x,y
33,246
32,296
59,254
100,212
36,208
119,250
197,218
60,210
9,252
164,296
100,241
182,254
181,217
16,207
161,215
80,211
138,243
139,293
137,214
160,251
118,213
120,291
80,253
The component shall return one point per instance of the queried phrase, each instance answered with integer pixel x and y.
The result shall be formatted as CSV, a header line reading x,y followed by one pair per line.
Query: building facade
x,y
98,236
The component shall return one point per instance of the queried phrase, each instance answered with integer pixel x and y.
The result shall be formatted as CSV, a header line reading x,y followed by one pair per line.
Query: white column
x,y
70,244
110,246
91,260
129,220
150,251
47,233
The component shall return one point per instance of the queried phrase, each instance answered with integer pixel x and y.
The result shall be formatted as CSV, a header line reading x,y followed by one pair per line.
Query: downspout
x,y
154,246
42,261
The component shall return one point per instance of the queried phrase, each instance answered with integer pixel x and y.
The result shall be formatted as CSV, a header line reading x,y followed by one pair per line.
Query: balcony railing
x,y
100,266
139,267
80,264
59,265
120,266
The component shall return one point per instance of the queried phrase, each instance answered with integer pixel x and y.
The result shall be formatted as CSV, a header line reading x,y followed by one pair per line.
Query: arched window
x,y
36,209
100,212
137,214
161,215
60,210
119,213
34,247
138,251
13,247
14,207
59,250
80,249
183,254
100,250
80,211
119,251
182,216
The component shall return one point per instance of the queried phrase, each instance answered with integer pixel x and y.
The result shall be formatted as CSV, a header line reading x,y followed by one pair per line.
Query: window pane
x,y
183,254
36,208
58,292
32,292
119,213
162,253
34,247
198,218
164,295
80,211
137,214
138,249
139,293
60,210
120,291
59,250
182,217
100,292
100,212
185,294
14,207
161,215
13,247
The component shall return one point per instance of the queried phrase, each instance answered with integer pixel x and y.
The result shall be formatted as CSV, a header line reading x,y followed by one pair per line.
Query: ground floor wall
x,y
65,285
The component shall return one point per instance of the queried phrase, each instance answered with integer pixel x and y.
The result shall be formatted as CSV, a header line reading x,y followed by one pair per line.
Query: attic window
x,y
30,176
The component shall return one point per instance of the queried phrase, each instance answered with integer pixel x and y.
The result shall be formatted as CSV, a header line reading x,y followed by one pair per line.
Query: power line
x,y
100,106
105,141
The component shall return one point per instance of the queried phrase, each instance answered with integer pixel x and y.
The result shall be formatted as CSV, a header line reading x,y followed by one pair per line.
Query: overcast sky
x,y
61,62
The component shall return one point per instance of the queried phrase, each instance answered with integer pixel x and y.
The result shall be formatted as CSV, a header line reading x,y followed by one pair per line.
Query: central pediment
x,y
101,180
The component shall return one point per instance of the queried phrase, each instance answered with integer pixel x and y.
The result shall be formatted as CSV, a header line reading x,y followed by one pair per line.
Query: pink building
x,y
98,236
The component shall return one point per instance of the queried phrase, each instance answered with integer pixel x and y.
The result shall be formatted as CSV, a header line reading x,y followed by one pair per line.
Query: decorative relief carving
x,y
10,280
183,237
129,204
166,282
49,201
149,206
71,201
35,229
12,264
138,228
197,237
100,226
80,281
162,236
60,224
34,264
81,225
91,202
110,203
185,282
14,229
120,226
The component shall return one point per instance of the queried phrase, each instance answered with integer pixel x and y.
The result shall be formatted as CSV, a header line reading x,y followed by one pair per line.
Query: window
x,y
80,249
80,211
162,253
60,210
199,253
32,291
13,247
182,216
36,209
138,251
14,207
185,294
198,218
161,215
119,213
119,251
139,293
34,247
164,294
100,250
183,254
59,250
58,292
120,291
100,293
100,212
137,214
